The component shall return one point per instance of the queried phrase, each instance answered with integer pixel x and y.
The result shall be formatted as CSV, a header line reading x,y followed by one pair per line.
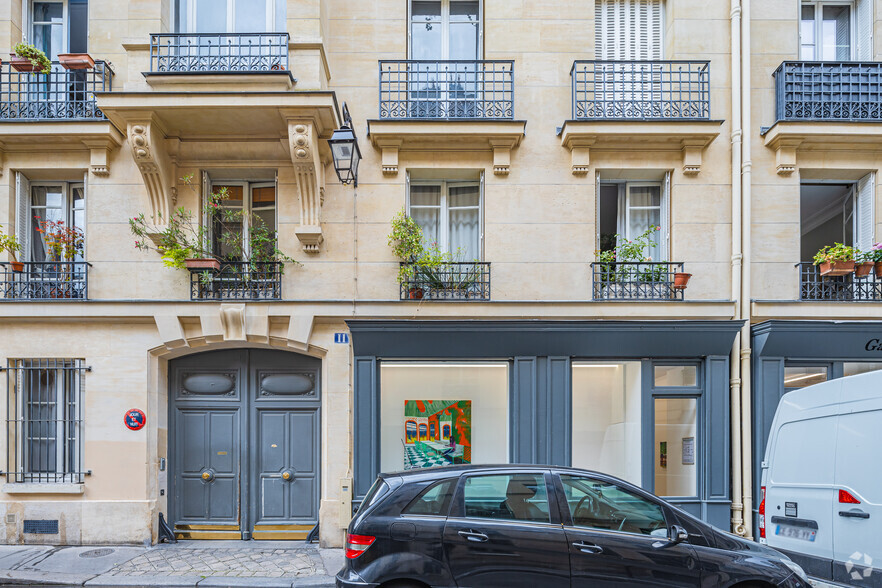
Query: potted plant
x,y
874,255
864,265
835,260
406,240
680,280
76,60
10,244
63,244
28,58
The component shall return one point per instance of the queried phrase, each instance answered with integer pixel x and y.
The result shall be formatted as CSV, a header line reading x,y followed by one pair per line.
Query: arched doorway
x,y
244,430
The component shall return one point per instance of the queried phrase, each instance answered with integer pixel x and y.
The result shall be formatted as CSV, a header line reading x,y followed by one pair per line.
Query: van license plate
x,y
796,532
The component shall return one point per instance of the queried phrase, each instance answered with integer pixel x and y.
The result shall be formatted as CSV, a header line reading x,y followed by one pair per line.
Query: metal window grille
x,y
60,94
45,420
447,281
45,280
238,280
636,281
641,90
218,52
447,89
848,288
810,90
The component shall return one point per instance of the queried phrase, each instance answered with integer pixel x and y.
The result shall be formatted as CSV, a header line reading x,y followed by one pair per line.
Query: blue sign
x,y
341,338
135,419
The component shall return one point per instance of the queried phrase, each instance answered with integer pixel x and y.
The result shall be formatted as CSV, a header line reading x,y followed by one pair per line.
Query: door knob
x,y
288,475
208,475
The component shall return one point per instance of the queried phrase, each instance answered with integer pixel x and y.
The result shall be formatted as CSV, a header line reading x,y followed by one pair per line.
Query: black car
x,y
541,527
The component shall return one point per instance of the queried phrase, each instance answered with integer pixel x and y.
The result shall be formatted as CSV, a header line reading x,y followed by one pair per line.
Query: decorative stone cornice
x,y
788,138
147,142
309,175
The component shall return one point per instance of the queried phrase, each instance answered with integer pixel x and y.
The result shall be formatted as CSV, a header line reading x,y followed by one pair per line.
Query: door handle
x,y
854,514
587,547
474,536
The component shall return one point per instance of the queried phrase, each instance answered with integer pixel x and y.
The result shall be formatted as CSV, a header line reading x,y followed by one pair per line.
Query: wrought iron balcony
x,y
218,52
815,90
45,280
447,281
636,281
847,288
238,280
641,90
59,95
447,90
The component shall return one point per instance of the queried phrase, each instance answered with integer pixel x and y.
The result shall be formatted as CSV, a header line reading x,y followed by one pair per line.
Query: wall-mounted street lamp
x,y
344,148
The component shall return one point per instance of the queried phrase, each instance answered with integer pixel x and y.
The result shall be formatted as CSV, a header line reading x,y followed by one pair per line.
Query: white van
x,y
821,500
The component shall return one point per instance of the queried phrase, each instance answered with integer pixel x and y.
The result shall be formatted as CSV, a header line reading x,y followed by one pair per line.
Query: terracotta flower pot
x,y
680,280
415,293
17,266
76,60
837,268
863,269
205,263
879,269
21,64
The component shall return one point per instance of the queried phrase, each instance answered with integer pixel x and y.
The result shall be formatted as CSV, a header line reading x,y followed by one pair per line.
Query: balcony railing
x,y
218,52
238,280
848,288
814,90
636,281
447,90
447,281
60,94
641,90
45,280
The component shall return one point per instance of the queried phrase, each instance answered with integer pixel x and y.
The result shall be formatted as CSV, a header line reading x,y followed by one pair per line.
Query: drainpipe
x,y
735,360
746,206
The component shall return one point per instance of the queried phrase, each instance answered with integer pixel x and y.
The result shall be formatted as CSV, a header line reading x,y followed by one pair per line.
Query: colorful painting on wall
x,y
437,432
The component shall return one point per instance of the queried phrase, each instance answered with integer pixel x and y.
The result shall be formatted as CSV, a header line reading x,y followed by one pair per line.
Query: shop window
x,y
681,376
445,29
434,500
629,209
676,446
802,376
50,208
512,497
835,30
606,418
468,403
852,368
450,216
601,505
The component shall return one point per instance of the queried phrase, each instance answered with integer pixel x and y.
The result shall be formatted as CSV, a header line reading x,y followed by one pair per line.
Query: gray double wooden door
x,y
244,445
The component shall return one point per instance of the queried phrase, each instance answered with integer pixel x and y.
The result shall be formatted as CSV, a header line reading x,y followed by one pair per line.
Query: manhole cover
x,y
97,552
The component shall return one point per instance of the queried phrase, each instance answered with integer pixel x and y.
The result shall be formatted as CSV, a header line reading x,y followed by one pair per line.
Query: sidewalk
x,y
185,564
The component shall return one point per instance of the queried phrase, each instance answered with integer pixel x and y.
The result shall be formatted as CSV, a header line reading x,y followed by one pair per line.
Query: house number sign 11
x,y
135,419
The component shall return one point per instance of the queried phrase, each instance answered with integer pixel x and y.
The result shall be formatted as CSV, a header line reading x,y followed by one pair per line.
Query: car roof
x,y
437,472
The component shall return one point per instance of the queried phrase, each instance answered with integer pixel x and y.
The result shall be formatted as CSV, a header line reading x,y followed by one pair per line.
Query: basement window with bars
x,y
44,422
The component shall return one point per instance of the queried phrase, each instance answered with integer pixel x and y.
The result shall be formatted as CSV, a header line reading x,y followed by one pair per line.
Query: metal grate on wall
x,y
41,527
44,422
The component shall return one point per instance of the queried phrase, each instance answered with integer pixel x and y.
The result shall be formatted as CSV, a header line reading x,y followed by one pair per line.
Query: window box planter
x,y
21,64
837,268
415,293
207,263
863,270
681,279
879,269
76,60
18,266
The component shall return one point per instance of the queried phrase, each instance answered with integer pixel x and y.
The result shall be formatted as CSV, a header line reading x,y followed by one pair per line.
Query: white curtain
x,y
463,202
425,209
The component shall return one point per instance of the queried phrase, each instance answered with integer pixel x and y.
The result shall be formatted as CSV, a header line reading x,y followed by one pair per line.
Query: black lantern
x,y
344,148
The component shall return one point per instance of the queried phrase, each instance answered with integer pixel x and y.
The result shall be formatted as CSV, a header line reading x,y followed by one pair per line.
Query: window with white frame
x,y
445,29
50,208
627,209
58,26
231,16
450,215
835,30
250,205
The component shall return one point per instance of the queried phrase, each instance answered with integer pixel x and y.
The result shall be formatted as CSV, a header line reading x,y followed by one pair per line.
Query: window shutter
x,y
206,222
23,220
665,217
481,219
85,209
865,222
864,17
596,212
628,29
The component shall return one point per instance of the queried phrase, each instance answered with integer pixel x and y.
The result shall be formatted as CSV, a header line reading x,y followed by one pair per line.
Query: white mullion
x,y
444,232
445,29
230,24
60,438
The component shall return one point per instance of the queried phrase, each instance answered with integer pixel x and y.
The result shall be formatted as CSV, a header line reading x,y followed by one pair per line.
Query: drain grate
x,y
41,527
92,553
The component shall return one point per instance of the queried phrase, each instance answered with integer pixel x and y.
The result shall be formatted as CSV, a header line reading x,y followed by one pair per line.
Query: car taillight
x,y
762,513
846,498
357,544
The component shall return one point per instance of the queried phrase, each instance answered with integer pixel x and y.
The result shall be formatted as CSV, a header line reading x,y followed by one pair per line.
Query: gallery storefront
x,y
646,401
788,355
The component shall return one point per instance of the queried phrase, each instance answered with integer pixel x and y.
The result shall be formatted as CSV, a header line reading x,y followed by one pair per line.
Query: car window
x,y
376,492
601,505
434,500
515,497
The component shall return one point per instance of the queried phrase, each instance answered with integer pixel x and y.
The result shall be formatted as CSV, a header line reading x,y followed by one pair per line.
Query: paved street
x,y
188,563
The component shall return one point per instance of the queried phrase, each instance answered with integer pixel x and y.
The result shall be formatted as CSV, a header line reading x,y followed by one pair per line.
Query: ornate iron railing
x,y
847,288
447,90
218,52
45,280
641,90
447,281
238,280
60,94
636,281
815,90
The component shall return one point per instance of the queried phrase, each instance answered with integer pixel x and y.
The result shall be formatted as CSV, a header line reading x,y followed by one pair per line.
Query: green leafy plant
x,y
835,252
874,254
614,261
37,58
10,244
62,242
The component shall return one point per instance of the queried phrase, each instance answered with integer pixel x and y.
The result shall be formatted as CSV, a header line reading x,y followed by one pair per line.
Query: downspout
x,y
746,207
735,361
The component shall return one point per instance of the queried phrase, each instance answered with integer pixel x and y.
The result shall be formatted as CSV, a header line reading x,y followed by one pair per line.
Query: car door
x,y
616,536
503,531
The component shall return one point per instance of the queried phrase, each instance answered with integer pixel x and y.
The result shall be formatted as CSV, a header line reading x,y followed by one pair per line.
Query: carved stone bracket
x,y
785,155
148,149
693,149
581,155
502,155
99,154
390,148
308,172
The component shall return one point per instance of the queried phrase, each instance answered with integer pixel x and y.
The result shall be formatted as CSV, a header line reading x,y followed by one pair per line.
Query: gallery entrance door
x,y
244,445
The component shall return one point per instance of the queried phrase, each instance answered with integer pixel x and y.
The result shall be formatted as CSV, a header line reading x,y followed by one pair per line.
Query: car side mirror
x,y
677,535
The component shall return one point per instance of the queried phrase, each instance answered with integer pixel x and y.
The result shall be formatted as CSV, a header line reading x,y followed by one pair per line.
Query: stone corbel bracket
x,y
99,153
785,153
389,149
309,175
502,154
147,141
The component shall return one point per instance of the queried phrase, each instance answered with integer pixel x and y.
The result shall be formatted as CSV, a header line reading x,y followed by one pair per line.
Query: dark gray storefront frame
x,y
779,342
540,355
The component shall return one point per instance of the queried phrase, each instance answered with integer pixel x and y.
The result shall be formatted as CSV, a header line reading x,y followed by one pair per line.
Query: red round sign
x,y
135,419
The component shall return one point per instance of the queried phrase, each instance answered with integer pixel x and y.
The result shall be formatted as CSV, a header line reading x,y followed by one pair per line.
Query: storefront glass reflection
x,y
676,472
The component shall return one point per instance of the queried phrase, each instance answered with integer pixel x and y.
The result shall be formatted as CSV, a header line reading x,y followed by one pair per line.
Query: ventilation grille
x,y
41,527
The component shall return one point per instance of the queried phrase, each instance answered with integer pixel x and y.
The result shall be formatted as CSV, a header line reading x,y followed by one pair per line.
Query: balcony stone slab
x,y
787,138
98,138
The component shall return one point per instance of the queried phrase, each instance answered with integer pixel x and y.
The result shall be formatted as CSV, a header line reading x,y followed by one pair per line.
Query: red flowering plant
x,y
63,242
